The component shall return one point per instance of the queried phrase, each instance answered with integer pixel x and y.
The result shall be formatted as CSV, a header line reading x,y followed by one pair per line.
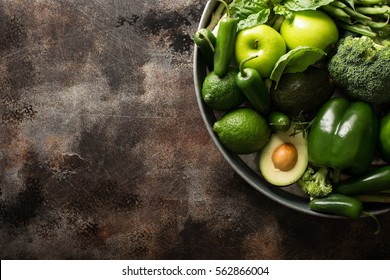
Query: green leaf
x,y
254,19
301,5
296,60
282,10
249,13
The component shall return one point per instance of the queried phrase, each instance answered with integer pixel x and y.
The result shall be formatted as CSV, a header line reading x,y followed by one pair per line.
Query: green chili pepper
x,y
374,181
343,136
205,41
338,204
224,45
252,85
342,205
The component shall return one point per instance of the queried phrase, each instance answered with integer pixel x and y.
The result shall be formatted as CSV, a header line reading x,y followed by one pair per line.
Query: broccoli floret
x,y
315,183
361,68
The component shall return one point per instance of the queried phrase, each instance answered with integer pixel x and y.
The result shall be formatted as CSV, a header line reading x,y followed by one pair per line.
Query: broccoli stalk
x,y
315,183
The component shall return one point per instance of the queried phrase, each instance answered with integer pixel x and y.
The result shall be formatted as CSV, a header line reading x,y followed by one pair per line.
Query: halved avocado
x,y
284,158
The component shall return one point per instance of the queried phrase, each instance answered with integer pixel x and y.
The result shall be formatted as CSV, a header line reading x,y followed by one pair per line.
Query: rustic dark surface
x,y
104,155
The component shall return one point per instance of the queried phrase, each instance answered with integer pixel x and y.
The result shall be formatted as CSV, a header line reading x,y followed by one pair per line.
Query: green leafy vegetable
x,y
250,13
368,18
245,7
253,12
282,10
361,68
296,60
254,19
300,5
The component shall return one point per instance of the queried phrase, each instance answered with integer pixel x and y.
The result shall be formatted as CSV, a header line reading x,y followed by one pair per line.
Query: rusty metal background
x,y
104,155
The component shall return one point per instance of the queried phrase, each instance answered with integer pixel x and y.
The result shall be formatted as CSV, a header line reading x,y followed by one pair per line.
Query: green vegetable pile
x,y
325,99
361,67
364,17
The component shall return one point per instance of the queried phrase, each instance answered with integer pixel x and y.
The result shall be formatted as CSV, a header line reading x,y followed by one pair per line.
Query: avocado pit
x,y
285,157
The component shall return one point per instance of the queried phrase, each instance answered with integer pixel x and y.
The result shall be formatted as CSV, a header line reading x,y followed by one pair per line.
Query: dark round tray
x,y
247,166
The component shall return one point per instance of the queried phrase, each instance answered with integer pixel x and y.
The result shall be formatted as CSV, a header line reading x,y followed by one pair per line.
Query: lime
x,y
242,130
279,121
222,94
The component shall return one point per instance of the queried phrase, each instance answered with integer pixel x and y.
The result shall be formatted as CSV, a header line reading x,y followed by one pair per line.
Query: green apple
x,y
310,28
263,41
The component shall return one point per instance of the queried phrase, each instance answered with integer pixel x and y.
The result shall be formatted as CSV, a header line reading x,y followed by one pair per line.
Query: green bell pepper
x,y
343,136
384,137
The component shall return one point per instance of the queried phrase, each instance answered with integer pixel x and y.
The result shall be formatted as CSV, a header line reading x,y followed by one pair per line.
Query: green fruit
x,y
311,28
279,121
302,92
222,94
284,158
263,41
242,131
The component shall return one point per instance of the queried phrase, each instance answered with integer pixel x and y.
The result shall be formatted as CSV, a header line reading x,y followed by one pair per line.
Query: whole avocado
x,y
303,92
222,93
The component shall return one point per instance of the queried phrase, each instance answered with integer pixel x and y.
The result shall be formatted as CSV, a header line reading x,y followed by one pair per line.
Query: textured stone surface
x,y
104,155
